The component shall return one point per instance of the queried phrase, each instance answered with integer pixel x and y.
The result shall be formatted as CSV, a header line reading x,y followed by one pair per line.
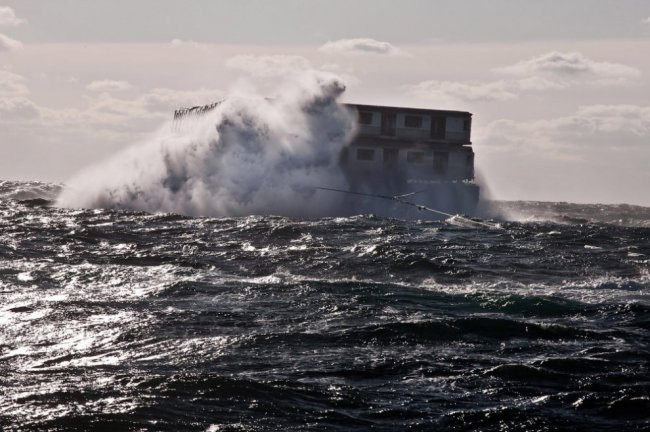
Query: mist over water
x,y
250,155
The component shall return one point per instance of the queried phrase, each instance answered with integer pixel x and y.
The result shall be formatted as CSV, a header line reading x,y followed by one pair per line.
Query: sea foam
x,y
250,155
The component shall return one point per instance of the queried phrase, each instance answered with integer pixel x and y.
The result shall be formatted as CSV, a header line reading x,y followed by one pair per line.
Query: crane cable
x,y
400,199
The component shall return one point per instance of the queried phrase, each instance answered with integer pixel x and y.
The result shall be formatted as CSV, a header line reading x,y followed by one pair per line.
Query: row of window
x,y
440,159
413,121
411,156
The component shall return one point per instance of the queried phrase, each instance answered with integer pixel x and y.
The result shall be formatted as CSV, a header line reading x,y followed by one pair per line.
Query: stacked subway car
x,y
423,152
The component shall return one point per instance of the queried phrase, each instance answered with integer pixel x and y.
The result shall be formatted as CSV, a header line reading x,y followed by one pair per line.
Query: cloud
x,y
613,126
273,66
617,118
598,153
9,44
146,111
178,43
361,46
80,135
15,109
166,100
646,20
553,70
604,127
104,118
269,66
12,85
536,83
465,91
9,18
571,66
109,86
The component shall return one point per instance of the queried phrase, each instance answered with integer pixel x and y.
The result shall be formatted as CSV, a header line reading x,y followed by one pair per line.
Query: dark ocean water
x,y
115,320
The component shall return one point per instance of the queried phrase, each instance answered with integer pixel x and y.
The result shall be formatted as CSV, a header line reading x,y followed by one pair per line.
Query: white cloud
x,y
109,86
9,44
617,118
553,70
8,17
538,83
104,118
16,109
178,43
465,91
269,66
599,153
361,46
571,66
166,100
140,113
12,85
646,21
610,127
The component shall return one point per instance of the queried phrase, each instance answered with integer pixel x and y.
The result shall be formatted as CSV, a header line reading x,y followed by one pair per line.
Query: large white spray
x,y
250,155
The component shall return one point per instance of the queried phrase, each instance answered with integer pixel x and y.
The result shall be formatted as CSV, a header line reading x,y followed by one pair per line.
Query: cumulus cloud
x,y
104,111
617,118
281,66
361,46
178,43
537,83
8,17
12,85
593,126
553,70
570,66
16,109
598,153
109,86
269,66
481,91
9,44
166,100
465,91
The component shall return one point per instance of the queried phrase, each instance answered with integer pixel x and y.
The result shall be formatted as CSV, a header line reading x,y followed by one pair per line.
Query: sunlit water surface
x,y
114,320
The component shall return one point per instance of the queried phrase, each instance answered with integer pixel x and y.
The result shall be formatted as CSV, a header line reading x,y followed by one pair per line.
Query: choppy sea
x,y
116,320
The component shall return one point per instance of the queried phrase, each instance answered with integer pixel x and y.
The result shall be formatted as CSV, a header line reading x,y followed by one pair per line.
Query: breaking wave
x,y
250,155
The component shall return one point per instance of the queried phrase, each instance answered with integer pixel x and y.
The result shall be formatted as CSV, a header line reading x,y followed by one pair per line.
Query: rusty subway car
x,y
401,151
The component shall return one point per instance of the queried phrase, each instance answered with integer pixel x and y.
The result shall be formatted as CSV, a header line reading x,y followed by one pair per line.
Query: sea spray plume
x,y
250,155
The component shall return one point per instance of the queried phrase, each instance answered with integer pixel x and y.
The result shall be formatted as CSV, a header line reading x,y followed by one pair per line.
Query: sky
x,y
559,91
